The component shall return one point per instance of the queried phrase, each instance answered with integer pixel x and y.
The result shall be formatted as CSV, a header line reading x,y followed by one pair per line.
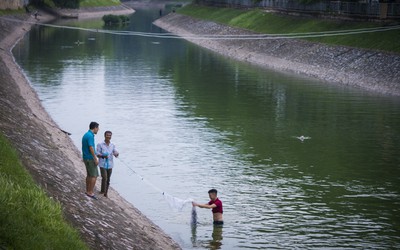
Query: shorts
x,y
218,222
91,168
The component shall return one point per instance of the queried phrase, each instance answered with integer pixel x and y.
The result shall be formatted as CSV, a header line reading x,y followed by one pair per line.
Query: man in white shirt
x,y
106,152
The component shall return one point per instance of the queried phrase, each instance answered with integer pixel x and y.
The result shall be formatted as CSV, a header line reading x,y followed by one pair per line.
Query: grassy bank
x,y
270,23
29,219
11,12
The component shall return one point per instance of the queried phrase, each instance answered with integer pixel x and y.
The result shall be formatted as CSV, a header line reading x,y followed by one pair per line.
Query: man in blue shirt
x,y
90,158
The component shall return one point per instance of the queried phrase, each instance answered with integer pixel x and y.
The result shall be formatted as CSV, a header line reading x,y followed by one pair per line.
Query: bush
x,y
113,19
71,4
124,19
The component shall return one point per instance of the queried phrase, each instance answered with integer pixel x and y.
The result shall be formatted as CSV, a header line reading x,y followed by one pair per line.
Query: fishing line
x,y
174,202
262,36
141,177
23,111
220,37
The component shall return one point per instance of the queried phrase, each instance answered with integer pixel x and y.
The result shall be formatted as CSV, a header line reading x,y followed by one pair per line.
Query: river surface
x,y
298,163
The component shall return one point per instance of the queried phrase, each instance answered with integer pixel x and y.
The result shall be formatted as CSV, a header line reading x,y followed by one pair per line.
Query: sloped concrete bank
x,y
92,12
371,70
55,163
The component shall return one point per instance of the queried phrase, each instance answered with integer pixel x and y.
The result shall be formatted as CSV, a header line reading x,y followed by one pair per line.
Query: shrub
x,y
113,19
71,4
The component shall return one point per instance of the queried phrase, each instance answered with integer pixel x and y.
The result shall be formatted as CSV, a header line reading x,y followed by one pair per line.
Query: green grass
x,y
270,23
29,219
11,12
98,3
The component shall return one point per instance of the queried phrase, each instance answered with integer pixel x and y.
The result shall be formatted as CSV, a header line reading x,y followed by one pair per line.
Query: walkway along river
x,y
298,163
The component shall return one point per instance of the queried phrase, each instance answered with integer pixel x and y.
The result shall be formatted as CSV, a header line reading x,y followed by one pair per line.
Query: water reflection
x,y
190,120
214,243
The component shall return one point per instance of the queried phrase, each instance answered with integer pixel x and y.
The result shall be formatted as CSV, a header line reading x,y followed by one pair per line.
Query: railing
x,y
373,9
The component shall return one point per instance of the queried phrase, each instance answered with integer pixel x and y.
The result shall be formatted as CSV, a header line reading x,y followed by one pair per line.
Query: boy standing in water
x,y
215,204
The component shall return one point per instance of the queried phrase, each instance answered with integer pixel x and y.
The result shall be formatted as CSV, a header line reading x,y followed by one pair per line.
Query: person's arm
x,y
115,152
98,150
96,161
204,205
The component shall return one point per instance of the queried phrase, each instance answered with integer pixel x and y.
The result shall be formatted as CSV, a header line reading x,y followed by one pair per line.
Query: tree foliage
x,y
113,19
37,2
309,1
71,4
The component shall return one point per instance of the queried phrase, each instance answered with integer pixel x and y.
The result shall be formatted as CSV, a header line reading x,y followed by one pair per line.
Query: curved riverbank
x,y
92,12
371,70
55,163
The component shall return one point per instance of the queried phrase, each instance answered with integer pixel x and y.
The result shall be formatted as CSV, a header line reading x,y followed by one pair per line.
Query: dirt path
x,y
375,71
55,163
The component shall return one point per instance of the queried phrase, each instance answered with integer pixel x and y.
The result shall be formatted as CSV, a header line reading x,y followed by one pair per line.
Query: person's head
x,y
107,135
212,193
94,126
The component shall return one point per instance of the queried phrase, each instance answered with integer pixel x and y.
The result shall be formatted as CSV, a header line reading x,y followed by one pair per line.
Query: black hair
x,y
93,125
214,191
107,132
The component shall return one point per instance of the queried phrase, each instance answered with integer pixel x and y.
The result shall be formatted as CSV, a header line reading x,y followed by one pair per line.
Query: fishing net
x,y
174,203
193,218
178,205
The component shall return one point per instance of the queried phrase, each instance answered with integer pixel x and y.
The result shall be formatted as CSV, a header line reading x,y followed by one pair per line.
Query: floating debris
x,y
302,138
79,43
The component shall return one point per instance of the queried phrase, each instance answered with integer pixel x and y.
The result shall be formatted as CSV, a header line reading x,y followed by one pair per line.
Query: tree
x,y
37,2
71,4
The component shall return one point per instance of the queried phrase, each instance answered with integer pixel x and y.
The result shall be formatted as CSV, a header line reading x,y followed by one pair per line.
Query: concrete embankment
x,y
55,163
92,12
371,70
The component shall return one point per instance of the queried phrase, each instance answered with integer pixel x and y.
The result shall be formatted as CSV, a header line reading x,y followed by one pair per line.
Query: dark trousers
x,y
105,179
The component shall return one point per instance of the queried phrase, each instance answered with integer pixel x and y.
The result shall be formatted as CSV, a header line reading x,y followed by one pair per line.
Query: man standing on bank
x,y
90,159
215,204
106,152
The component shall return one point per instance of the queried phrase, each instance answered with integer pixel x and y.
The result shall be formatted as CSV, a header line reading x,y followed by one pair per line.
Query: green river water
x,y
187,120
